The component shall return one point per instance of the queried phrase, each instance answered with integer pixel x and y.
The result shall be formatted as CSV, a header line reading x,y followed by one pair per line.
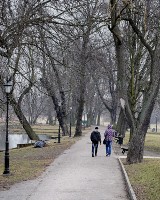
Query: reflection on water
x,y
15,139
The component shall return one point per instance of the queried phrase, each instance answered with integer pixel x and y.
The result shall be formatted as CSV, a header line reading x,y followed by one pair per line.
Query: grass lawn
x,y
145,179
145,176
152,141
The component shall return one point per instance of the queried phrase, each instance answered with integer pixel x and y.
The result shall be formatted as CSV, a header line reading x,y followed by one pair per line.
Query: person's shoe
x,y
107,154
95,154
92,155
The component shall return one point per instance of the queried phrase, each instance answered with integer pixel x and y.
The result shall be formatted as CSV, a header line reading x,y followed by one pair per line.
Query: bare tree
x,y
144,79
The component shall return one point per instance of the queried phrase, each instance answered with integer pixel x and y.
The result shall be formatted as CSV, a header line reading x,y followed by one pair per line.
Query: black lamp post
x,y
59,133
8,88
156,124
70,130
84,119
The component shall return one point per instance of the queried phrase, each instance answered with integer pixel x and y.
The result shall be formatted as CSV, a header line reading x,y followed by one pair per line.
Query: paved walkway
x,y
75,175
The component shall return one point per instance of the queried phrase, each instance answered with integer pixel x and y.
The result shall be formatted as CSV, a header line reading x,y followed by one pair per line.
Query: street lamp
x,y
70,133
59,134
84,120
8,88
156,124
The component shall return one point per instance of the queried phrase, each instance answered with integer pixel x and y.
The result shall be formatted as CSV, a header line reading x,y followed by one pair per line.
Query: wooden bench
x,y
124,149
54,137
57,137
24,145
55,131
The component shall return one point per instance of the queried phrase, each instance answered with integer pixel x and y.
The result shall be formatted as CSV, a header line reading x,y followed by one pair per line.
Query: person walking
x,y
108,135
95,138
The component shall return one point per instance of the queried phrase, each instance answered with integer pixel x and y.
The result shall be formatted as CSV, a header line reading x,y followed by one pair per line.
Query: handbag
x,y
104,141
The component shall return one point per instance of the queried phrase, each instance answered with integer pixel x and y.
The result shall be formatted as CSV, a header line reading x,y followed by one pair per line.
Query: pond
x,y
15,139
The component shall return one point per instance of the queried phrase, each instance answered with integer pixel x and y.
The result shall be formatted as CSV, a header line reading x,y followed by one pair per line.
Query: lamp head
x,y
8,86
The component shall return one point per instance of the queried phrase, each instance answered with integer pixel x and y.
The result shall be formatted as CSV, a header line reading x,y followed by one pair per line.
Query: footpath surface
x,y
75,175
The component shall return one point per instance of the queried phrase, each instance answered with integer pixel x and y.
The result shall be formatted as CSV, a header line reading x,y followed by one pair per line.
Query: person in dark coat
x,y
95,138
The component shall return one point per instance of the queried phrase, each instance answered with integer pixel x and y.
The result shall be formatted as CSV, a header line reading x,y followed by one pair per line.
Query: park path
x,y
75,175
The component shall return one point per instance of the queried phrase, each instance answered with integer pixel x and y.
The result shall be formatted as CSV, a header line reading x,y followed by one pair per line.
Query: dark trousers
x,y
94,148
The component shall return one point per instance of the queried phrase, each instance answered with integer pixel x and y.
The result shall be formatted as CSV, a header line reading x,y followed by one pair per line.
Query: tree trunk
x,y
61,115
35,120
98,119
54,121
50,118
82,86
63,123
17,109
47,83
121,124
113,116
136,147
88,119
78,131
87,124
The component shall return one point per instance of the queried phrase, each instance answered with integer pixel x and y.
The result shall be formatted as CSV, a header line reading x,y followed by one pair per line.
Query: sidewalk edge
x,y
129,187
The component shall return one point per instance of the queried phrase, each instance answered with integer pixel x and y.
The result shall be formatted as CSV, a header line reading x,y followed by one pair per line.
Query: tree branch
x,y
139,34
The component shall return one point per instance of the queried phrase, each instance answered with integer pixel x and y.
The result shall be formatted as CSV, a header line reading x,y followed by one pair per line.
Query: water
x,y
15,139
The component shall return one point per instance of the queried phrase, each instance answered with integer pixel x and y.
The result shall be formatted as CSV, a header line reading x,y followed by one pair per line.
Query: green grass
x,y
152,141
145,179
145,176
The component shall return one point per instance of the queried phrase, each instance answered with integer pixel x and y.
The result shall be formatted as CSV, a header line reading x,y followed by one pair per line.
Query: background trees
x,y
84,55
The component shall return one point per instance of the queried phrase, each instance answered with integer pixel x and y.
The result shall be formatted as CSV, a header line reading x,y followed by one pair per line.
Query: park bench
x,y
24,145
54,137
55,131
119,140
124,149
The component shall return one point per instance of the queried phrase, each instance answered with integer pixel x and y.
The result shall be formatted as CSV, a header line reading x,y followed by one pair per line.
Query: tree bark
x,y
121,124
98,119
82,86
113,114
49,117
136,147
78,131
17,109
61,113
47,84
